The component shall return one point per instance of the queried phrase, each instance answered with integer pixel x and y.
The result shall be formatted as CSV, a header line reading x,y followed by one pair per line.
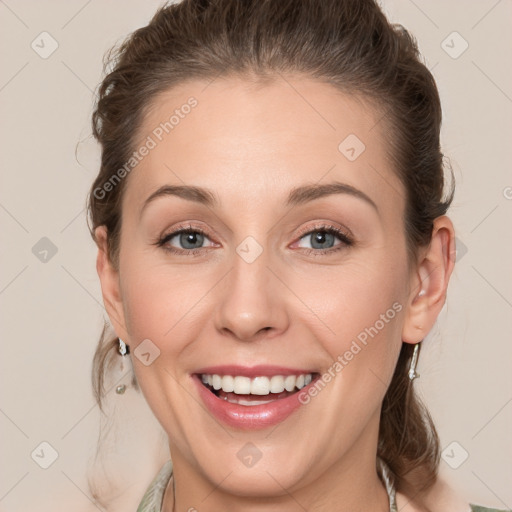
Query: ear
x,y
110,289
429,282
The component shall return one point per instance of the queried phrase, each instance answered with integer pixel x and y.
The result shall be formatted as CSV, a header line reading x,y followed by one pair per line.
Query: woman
x,y
273,248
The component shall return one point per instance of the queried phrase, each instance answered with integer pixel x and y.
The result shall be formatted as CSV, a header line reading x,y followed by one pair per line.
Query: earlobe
x,y
429,282
109,280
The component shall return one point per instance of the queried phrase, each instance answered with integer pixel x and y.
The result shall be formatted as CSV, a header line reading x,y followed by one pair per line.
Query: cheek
x,y
161,305
362,314
159,300
361,308
357,298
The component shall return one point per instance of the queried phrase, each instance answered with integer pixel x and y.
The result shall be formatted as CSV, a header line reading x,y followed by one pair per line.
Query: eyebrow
x,y
306,193
189,192
297,196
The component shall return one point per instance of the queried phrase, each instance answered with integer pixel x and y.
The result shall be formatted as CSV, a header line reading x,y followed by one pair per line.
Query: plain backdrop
x,y
50,297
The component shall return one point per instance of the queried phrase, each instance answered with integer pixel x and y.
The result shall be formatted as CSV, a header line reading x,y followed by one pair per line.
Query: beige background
x,y
52,311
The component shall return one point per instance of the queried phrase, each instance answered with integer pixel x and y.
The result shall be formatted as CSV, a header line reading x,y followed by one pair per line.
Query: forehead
x,y
249,141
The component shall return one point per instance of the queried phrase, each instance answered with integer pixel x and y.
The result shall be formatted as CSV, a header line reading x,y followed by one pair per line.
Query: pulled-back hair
x,y
346,43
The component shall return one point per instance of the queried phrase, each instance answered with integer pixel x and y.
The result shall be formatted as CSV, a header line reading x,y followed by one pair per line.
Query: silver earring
x,y
123,349
414,361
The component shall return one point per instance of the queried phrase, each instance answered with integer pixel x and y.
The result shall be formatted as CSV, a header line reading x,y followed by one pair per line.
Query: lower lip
x,y
249,417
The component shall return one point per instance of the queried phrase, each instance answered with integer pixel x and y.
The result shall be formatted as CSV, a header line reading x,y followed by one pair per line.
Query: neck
x,y
350,484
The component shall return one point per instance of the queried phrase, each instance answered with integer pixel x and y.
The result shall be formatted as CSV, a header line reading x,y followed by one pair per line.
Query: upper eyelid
x,y
325,226
302,232
319,226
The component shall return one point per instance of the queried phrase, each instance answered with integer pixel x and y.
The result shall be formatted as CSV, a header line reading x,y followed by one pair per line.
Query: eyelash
x,y
185,229
346,240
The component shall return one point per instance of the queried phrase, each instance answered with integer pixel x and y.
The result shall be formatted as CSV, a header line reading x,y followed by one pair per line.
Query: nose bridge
x,y
250,298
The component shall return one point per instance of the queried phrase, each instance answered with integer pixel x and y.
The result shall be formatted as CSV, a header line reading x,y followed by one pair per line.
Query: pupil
x,y
322,237
192,239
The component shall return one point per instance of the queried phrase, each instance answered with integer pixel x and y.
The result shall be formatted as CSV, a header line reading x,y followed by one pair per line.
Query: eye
x,y
187,240
322,239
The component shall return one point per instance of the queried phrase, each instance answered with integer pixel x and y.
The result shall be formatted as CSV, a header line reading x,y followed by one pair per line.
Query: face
x,y
297,265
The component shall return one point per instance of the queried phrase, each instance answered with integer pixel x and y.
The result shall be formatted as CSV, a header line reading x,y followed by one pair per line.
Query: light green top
x,y
152,500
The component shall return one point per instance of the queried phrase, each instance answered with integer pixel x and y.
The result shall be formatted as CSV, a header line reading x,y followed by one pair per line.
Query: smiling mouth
x,y
248,391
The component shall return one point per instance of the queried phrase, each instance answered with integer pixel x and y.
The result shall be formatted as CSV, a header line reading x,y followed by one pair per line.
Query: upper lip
x,y
252,371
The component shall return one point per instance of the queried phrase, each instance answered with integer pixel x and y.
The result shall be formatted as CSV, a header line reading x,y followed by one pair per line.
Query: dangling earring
x,y
414,361
123,350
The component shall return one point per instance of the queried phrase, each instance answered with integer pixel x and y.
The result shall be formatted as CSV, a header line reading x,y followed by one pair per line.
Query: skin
x,y
250,146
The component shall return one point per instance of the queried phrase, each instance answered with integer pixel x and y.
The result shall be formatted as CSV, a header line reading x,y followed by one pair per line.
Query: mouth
x,y
247,391
252,398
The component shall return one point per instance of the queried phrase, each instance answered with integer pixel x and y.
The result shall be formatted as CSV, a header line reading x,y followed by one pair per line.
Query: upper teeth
x,y
259,385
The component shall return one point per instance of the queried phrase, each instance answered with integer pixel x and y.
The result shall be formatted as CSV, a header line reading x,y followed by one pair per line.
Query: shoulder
x,y
442,497
446,494
152,499
478,508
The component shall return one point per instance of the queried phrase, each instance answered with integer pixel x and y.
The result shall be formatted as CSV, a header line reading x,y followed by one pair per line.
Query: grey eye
x,y
320,239
190,240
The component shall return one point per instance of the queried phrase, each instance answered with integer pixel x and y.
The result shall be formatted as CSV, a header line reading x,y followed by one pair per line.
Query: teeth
x,y
242,385
227,383
289,382
216,382
277,384
260,386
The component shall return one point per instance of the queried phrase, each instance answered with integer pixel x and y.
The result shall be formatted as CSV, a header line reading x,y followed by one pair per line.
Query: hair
x,y
348,44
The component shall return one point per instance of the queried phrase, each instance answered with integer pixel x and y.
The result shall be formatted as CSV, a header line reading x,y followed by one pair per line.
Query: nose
x,y
252,301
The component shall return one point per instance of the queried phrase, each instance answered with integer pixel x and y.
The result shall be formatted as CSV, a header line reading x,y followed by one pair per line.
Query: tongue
x,y
255,398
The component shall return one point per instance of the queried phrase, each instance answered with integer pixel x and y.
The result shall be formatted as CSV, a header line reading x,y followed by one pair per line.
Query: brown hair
x,y
348,44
